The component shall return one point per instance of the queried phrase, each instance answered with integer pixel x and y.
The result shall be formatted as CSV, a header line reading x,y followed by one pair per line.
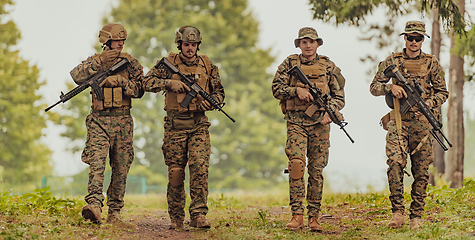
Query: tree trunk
x,y
439,153
455,123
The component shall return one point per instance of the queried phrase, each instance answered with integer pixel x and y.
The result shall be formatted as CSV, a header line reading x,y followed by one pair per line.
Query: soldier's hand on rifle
x,y
205,106
111,81
398,91
326,119
177,86
108,55
304,94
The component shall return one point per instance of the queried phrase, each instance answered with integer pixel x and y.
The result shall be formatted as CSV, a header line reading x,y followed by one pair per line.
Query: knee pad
x,y
296,168
176,175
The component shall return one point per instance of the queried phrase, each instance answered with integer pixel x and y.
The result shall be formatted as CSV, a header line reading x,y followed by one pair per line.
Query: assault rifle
x,y
94,81
414,98
319,100
195,89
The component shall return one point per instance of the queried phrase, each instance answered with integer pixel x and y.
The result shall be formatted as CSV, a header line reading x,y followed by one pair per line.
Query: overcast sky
x,y
58,34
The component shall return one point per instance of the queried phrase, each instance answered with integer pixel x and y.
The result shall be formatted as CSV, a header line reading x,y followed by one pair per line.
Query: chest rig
x,y
199,73
316,74
113,97
416,69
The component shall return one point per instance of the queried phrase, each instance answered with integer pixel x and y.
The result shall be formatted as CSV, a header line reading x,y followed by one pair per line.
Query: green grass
x,y
449,214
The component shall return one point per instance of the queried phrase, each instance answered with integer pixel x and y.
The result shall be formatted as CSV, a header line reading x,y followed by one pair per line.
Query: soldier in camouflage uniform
x,y
307,134
109,125
408,134
186,138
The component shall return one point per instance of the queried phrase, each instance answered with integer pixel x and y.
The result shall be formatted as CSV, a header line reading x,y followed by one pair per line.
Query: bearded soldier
x,y
109,125
307,134
186,138
408,133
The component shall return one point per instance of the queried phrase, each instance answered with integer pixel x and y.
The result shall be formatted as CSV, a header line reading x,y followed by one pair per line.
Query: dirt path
x,y
153,225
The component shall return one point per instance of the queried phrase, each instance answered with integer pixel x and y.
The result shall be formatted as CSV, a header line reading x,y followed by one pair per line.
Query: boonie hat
x,y
308,32
415,27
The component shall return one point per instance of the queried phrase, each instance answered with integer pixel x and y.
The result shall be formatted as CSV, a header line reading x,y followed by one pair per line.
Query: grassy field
x,y
450,214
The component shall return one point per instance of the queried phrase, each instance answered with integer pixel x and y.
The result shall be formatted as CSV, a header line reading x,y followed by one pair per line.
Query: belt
x,y
111,114
186,114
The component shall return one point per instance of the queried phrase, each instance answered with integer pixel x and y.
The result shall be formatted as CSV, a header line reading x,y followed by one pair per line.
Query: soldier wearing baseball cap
x,y
408,131
307,126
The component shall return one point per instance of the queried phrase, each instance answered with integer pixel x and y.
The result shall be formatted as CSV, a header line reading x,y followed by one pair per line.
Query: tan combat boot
x,y
314,225
200,222
416,223
176,225
113,216
296,223
397,220
92,212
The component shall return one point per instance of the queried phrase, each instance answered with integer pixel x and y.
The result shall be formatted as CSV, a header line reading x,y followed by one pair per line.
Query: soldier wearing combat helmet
x,y
307,133
186,140
109,125
408,133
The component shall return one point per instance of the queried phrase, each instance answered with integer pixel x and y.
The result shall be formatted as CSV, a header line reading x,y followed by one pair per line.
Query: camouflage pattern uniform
x,y
186,138
413,140
110,129
306,135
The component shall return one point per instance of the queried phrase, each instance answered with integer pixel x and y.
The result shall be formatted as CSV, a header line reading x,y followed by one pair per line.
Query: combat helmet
x,y
188,34
112,31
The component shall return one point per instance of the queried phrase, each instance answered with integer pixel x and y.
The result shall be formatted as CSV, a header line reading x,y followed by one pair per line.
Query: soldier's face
x,y
117,45
189,49
413,41
308,47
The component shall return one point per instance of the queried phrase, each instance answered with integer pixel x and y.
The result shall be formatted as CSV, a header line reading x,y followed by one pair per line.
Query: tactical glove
x,y
205,106
177,86
111,81
108,55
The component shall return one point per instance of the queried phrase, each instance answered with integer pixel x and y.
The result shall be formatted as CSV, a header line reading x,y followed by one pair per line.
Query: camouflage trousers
x,y
413,132
314,141
113,136
188,146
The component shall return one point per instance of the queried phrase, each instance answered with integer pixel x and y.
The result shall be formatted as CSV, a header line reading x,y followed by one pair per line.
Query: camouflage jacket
x,y
158,77
282,90
134,73
433,82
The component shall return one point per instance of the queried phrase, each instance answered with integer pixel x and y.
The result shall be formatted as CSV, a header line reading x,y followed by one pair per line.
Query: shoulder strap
x,y
206,61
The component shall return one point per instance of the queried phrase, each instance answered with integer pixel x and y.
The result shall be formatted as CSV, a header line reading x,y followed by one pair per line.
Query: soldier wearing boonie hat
x,y
408,132
307,126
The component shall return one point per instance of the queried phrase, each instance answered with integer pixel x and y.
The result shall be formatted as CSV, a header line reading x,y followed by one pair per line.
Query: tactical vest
x,y
113,97
200,75
416,69
316,74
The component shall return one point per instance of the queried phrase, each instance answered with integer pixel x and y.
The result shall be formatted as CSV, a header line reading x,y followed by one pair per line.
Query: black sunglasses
x,y
412,38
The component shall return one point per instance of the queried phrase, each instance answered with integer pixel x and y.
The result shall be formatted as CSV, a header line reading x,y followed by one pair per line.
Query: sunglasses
x,y
412,38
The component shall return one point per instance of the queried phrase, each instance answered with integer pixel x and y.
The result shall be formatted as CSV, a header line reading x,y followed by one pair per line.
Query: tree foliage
x,y
248,153
24,160
353,12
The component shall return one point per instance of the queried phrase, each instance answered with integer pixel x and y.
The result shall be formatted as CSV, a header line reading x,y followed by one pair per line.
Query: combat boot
x,y
416,223
92,212
397,220
200,222
176,225
296,223
314,225
113,216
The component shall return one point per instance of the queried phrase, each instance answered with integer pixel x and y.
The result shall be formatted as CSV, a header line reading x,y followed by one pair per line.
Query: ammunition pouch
x,y
296,168
176,175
